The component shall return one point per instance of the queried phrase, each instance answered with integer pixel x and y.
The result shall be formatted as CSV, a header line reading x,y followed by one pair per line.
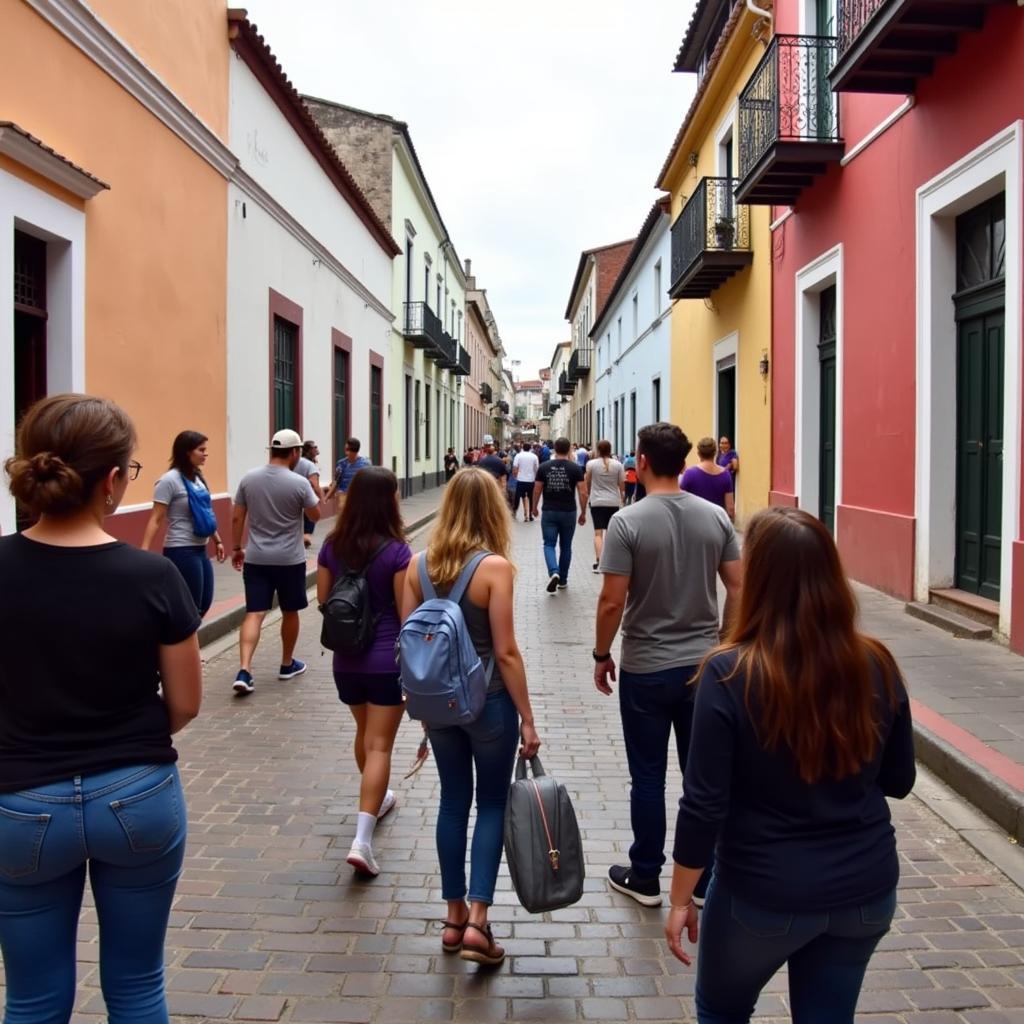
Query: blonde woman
x,y
606,482
475,517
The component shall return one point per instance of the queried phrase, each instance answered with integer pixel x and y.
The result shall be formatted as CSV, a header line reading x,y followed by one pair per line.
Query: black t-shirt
x,y
494,466
80,631
560,478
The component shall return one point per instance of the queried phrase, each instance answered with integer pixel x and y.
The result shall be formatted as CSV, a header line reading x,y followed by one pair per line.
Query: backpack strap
x,y
343,569
462,583
425,585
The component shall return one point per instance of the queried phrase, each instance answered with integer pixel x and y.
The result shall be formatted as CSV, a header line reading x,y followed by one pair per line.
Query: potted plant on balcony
x,y
725,232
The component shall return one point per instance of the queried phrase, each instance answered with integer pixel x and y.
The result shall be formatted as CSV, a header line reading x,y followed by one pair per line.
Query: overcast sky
x,y
541,129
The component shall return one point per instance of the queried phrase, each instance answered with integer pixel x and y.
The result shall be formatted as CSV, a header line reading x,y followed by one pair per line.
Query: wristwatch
x,y
600,658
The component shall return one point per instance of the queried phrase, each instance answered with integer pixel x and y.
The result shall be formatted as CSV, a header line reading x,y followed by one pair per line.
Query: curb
x,y
1002,803
215,628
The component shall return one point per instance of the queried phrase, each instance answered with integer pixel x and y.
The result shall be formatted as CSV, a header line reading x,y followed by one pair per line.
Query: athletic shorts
x,y
380,688
602,514
524,489
262,582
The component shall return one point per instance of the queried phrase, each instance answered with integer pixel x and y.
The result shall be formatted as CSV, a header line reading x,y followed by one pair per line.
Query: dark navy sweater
x,y
782,843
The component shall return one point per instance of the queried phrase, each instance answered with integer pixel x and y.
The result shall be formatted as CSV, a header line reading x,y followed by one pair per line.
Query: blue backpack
x,y
443,679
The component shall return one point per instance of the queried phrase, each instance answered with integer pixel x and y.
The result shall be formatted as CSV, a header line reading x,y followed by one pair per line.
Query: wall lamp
x,y
764,366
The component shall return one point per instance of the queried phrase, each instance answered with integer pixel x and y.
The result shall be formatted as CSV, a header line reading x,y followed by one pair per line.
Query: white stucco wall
x,y
269,248
645,353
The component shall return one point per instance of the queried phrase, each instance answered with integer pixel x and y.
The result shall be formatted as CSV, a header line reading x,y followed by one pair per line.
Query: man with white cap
x,y
492,462
273,500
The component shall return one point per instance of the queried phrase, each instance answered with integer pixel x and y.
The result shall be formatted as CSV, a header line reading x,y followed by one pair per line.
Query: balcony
x,y
565,385
710,240
554,402
888,46
503,407
446,353
579,363
788,121
486,394
422,327
463,364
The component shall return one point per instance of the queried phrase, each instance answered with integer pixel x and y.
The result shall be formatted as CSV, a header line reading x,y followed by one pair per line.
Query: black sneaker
x,y
562,584
645,892
552,583
594,567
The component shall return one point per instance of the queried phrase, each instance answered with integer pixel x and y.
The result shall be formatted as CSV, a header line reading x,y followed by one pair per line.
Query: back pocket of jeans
x,y
150,819
879,911
21,840
761,922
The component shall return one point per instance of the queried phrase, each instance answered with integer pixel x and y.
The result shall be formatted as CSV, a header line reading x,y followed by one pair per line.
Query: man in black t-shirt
x,y
491,462
560,482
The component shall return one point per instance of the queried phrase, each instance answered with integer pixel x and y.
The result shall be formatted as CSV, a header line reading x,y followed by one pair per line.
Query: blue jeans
x,y
743,945
558,526
652,706
489,744
129,826
194,565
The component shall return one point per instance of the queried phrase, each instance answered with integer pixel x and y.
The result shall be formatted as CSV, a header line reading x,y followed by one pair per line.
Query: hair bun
x,y
45,466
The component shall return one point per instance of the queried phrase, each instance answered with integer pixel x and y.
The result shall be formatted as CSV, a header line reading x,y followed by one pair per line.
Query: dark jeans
x,y
653,705
743,945
558,527
194,565
128,825
488,744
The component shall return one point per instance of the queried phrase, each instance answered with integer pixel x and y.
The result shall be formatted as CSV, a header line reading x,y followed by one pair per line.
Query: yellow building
x,y
720,278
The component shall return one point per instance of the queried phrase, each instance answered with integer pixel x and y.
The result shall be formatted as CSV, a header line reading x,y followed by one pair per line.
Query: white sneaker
x,y
360,856
387,805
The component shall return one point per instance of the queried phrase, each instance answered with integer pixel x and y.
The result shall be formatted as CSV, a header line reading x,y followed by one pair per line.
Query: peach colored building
x,y
113,234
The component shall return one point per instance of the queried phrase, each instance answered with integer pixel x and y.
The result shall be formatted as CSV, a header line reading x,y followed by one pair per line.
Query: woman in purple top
x,y
709,479
728,457
368,682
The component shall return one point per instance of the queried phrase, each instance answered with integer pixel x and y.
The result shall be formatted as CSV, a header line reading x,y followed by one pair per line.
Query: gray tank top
x,y
478,622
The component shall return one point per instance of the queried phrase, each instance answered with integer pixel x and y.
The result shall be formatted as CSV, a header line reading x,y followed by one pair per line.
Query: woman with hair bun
x,y
88,780
182,545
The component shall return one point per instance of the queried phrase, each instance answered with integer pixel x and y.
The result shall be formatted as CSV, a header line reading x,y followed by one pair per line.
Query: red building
x,y
887,135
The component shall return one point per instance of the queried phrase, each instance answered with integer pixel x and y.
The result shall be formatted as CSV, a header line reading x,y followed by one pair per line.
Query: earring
x,y
110,501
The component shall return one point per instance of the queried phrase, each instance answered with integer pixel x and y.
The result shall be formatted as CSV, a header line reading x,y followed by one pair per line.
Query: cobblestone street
x,y
269,923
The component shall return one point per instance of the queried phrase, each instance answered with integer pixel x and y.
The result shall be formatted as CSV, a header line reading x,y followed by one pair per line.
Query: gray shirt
x,y
604,483
170,491
670,545
275,498
306,468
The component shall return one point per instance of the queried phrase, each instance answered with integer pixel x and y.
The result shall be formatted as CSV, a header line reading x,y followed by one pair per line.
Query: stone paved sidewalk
x,y
269,923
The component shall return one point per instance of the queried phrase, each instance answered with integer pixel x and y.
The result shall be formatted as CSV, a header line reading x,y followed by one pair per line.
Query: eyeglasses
x,y
134,469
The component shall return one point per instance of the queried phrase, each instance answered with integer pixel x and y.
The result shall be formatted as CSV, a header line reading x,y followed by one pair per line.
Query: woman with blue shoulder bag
x,y
182,499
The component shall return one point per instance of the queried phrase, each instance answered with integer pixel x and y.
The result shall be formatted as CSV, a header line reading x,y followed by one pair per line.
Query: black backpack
x,y
349,625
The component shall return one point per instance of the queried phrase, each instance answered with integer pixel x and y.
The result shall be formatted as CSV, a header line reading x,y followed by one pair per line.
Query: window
x,y
636,316
656,398
439,422
416,420
426,280
286,374
408,270
632,420
426,430
440,308
376,414
342,427
618,343
657,288
451,423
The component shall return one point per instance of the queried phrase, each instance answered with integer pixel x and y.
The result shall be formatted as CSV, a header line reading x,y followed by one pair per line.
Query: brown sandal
x,y
461,929
489,957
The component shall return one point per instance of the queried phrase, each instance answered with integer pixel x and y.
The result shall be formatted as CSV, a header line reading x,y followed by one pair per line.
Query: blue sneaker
x,y
243,683
296,668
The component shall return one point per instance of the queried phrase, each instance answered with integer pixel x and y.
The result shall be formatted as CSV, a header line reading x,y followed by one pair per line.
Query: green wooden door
x,y
727,403
979,469
827,408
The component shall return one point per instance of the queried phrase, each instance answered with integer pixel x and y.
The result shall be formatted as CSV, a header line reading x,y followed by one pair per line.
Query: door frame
x,y
994,166
726,354
811,280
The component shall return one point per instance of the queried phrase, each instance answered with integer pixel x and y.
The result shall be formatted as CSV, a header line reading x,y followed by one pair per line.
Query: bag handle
x,y
462,583
535,767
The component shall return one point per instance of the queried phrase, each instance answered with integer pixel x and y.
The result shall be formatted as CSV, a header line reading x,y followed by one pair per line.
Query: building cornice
x,y
34,154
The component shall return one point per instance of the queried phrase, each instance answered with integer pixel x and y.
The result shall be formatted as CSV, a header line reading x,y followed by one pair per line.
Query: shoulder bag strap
x,y
462,583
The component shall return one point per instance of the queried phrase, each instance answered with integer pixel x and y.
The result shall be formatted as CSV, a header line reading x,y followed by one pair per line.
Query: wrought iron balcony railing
x,y
421,325
579,363
446,352
463,363
503,407
486,394
566,386
710,240
788,120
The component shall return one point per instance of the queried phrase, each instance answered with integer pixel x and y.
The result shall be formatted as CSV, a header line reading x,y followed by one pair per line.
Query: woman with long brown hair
x,y
368,536
801,729
474,518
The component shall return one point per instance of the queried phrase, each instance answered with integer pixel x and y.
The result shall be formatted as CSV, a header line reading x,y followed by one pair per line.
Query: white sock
x,y
364,827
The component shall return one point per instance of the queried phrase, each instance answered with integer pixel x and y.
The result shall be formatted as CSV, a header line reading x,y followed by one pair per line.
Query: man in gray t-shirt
x,y
661,560
272,500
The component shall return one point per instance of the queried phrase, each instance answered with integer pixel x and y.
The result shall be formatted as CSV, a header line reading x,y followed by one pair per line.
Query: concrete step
x,y
971,606
951,622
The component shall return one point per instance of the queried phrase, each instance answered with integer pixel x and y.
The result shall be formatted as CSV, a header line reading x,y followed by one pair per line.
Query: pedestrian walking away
x,y
524,469
801,730
307,467
272,501
451,464
660,562
708,480
473,518
606,485
492,462
186,548
629,465
560,482
345,470
88,781
369,537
